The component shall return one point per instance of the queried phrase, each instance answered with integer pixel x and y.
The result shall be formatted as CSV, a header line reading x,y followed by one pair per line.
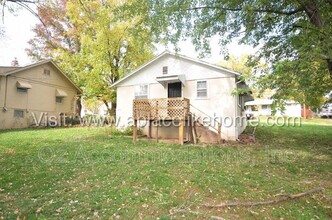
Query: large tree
x,y
92,41
293,31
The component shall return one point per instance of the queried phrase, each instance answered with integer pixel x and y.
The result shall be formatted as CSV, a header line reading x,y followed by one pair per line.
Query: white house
x,y
263,107
170,83
94,108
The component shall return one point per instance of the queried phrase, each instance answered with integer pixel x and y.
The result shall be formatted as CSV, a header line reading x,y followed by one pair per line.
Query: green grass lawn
x,y
322,121
290,120
96,173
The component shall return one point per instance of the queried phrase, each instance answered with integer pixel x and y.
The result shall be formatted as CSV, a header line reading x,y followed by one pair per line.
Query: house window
x,y
264,107
21,90
18,113
165,69
22,87
59,100
47,72
201,89
254,108
141,92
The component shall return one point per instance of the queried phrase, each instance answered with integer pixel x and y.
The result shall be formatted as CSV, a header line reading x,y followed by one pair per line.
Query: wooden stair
x,y
203,134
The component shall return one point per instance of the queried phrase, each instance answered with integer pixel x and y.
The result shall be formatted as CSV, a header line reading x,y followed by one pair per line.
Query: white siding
x,y
219,101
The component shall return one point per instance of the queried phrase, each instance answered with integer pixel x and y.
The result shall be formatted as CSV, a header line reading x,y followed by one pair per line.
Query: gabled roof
x,y
177,56
19,69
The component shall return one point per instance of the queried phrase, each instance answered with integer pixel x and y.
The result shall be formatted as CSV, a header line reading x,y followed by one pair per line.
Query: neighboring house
x,y
263,107
40,91
97,108
173,86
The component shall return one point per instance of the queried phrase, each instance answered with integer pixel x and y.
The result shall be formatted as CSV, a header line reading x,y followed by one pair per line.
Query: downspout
x,y
236,112
5,100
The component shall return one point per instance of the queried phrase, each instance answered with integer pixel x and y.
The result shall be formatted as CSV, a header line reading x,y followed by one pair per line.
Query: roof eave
x,y
116,84
41,63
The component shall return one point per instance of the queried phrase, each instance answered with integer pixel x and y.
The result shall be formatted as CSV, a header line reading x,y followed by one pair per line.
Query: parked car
x,y
326,111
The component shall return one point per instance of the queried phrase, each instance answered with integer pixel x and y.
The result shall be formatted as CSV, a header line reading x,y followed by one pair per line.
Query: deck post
x,y
181,132
219,133
193,128
150,133
157,128
135,131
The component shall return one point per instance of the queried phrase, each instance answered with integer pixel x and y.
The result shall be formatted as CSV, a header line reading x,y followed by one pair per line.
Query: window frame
x,y
58,98
201,89
47,72
21,113
165,70
139,95
21,90
265,107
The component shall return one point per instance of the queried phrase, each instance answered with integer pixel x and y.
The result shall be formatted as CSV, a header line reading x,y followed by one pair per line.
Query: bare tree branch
x,y
259,10
269,202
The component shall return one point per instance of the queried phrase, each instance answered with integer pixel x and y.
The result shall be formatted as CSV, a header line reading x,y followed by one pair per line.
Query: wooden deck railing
x,y
162,109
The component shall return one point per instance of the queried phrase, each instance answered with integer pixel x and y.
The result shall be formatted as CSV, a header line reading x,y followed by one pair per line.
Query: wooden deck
x,y
161,109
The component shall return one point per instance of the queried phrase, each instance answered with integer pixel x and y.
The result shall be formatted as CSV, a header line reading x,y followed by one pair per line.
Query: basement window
x,y
201,89
18,113
141,92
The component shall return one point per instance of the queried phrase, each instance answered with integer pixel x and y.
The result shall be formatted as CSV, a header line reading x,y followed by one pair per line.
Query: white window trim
x,y
165,73
147,90
207,89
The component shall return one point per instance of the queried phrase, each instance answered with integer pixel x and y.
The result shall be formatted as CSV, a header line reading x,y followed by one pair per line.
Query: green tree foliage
x,y
300,81
239,64
250,75
294,32
93,42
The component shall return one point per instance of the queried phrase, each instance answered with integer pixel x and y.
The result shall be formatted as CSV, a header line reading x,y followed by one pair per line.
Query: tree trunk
x,y
107,106
329,66
304,111
312,11
110,109
79,106
113,109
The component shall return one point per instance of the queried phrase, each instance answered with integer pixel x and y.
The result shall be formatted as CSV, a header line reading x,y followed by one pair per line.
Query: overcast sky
x,y
18,32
